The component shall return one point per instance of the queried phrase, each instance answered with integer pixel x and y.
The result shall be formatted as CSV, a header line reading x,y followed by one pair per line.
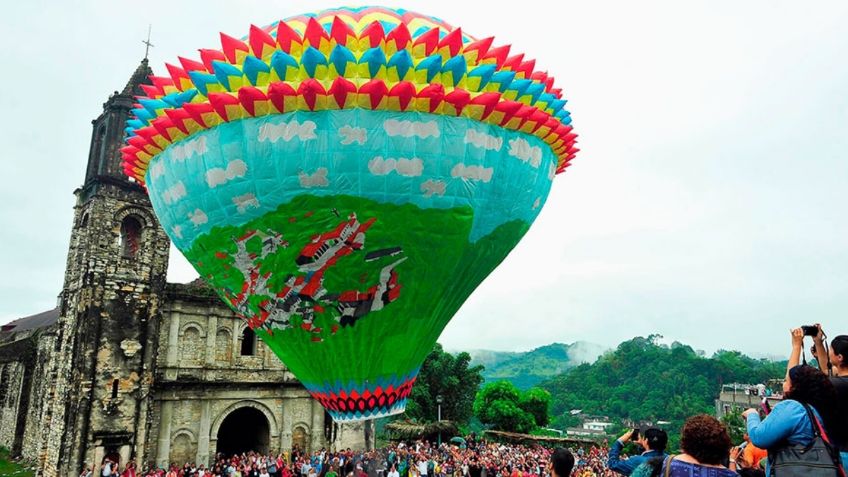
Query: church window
x,y
84,221
4,385
130,237
248,342
97,153
114,389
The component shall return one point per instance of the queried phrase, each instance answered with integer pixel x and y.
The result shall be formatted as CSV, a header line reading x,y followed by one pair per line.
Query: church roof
x,y
140,76
39,320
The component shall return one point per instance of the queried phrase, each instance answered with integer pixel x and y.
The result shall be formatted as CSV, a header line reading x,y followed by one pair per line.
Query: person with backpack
x,y
802,421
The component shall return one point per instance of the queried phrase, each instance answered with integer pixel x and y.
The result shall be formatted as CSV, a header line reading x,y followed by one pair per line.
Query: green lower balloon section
x,y
351,293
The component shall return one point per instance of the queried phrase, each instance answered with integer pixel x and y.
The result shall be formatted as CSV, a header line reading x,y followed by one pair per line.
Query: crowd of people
x,y
813,414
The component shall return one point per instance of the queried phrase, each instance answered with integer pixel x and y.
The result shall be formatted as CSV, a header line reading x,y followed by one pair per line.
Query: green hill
x,y
643,380
530,368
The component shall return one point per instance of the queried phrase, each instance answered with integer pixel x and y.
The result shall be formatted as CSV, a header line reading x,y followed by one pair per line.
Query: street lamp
x,y
439,403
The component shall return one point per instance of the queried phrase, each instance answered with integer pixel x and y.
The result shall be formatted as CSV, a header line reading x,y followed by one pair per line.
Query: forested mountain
x,y
529,368
645,380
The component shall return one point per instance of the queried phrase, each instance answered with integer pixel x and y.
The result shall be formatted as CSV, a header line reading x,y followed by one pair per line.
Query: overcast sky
x,y
707,204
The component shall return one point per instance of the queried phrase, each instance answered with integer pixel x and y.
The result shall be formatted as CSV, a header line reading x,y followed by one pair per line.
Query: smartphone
x,y
635,434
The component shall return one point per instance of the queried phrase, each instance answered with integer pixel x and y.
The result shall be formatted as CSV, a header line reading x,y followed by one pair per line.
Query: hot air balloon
x,y
345,179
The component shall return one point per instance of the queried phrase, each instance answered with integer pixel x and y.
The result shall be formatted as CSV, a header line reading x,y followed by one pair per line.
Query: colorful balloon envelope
x,y
345,180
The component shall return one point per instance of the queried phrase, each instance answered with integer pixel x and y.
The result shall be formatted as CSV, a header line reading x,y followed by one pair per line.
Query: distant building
x,y
738,397
580,432
132,367
597,423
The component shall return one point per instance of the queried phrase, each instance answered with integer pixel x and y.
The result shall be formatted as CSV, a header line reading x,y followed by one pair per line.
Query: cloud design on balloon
x,y
217,176
198,217
551,171
405,128
431,188
174,193
157,169
287,131
522,150
187,149
245,201
473,173
483,141
316,179
405,167
352,135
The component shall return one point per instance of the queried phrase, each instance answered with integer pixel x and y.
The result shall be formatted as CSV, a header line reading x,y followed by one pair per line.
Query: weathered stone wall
x,y
42,382
107,329
11,381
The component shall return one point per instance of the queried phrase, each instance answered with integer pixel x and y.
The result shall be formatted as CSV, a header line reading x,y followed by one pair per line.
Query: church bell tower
x,y
110,305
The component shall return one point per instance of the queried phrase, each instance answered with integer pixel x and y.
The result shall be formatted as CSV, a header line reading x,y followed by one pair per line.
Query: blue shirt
x,y
626,467
787,423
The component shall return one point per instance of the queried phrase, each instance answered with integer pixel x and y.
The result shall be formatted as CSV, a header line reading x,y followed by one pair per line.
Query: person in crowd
x,y
706,446
86,471
562,461
751,454
653,441
834,363
130,470
789,423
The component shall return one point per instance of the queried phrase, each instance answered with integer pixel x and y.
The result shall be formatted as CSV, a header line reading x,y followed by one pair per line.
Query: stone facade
x,y
132,367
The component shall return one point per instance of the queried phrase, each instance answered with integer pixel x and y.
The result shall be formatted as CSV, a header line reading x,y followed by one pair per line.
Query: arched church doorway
x,y
245,429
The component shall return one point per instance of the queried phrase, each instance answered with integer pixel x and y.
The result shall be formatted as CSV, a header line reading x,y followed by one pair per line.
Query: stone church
x,y
133,367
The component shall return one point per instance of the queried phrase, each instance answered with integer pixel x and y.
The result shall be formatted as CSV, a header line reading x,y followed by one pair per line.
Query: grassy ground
x,y
11,469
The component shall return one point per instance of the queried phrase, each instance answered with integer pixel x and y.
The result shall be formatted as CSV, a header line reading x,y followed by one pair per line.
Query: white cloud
x,y
316,179
537,203
405,167
245,201
218,176
177,231
157,169
186,149
483,140
287,131
552,170
431,188
352,135
522,149
174,193
474,173
198,217
406,128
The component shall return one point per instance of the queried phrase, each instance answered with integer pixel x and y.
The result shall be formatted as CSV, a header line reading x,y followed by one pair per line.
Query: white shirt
x,y
422,467
394,473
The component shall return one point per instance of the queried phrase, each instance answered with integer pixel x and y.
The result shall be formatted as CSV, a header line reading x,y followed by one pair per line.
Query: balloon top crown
x,y
372,58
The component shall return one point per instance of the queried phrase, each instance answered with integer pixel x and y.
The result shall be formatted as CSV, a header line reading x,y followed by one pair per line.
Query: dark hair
x,y
657,438
562,461
812,387
706,439
839,345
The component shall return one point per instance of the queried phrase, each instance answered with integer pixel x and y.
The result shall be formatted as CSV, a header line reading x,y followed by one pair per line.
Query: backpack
x,y
819,458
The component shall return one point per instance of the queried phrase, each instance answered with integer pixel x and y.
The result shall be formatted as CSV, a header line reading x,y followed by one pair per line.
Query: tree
x,y
536,401
735,424
449,376
498,405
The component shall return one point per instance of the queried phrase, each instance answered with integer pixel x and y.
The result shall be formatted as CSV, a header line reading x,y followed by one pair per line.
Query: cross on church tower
x,y
147,43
